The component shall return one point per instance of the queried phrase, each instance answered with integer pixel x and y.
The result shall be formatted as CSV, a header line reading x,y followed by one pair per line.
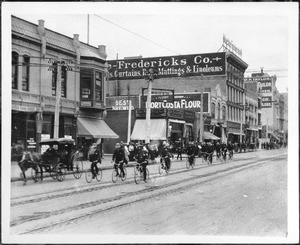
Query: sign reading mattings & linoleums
x,y
168,66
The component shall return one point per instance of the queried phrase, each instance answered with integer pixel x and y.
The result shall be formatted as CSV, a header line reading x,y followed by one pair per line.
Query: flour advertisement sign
x,y
168,66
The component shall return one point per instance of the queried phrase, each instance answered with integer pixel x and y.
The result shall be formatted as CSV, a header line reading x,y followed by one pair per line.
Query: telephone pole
x,y
57,102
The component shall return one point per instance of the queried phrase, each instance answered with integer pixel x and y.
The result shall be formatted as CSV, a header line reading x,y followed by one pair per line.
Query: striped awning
x,y
158,129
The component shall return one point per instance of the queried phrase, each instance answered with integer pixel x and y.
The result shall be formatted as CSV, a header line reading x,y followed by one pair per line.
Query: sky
x,y
261,31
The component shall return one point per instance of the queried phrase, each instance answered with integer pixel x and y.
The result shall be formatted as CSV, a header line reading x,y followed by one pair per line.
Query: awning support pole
x,y
129,122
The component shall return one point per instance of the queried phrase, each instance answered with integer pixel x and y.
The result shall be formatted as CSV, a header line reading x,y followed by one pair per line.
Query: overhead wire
x,y
136,34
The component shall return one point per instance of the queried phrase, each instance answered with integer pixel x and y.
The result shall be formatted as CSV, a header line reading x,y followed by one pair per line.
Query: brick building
x,y
42,57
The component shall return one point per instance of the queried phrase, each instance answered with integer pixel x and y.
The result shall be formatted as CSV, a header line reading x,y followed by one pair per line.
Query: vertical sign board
x,y
190,101
266,102
266,86
168,66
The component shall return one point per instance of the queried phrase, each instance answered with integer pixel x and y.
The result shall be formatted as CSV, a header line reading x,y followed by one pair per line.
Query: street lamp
x,y
150,78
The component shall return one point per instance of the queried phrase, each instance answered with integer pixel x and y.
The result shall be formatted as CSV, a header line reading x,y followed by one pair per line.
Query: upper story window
x,y
213,110
63,76
219,111
91,85
14,70
98,85
86,79
224,113
25,73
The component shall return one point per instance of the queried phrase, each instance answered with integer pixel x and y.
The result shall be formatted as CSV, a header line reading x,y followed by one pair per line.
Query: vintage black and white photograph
x,y
156,122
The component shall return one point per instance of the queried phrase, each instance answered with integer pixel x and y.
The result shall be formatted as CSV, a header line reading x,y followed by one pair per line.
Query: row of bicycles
x,y
141,172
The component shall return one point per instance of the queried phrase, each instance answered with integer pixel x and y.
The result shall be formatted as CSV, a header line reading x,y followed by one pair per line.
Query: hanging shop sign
x,y
121,103
191,101
266,86
266,102
168,66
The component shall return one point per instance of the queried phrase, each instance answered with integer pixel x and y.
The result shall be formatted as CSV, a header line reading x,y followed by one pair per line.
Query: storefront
x,y
234,132
165,124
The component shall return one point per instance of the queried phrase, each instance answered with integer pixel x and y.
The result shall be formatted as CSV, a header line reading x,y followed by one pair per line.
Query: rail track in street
x,y
38,222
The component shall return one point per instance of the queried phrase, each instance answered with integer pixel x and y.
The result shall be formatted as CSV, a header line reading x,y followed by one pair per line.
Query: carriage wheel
x,y
36,174
52,172
77,168
60,172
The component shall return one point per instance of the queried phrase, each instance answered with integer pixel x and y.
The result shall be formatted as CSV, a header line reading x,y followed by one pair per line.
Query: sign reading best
x,y
168,66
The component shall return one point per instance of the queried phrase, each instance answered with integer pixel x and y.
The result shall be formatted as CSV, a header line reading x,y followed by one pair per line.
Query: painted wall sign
x,y
191,101
229,46
266,86
257,79
121,103
266,102
168,66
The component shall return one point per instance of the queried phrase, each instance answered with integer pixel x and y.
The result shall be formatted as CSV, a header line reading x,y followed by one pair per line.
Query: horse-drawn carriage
x,y
60,157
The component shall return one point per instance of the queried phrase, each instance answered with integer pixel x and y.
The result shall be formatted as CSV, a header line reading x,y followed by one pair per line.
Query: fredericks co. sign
x,y
169,66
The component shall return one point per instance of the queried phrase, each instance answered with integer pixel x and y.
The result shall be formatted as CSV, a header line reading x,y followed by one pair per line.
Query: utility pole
x,y
129,121
201,118
150,79
88,29
57,102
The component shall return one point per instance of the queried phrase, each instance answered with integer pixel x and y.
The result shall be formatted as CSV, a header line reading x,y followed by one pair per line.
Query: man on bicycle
x,y
118,159
166,155
191,151
94,157
210,151
218,150
230,148
142,158
224,150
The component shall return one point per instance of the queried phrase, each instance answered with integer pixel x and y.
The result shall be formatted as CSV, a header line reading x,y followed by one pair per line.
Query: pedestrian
x,y
179,150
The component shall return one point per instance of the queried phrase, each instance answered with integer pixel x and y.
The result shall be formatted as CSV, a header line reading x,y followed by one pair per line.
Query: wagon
x,y
60,157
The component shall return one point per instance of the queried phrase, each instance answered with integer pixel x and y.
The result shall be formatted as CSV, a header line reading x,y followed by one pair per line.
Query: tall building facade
x,y
42,60
220,75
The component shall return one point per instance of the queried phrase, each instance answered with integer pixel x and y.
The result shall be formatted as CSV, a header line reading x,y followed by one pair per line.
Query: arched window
x,y
25,73
219,111
213,110
14,70
224,113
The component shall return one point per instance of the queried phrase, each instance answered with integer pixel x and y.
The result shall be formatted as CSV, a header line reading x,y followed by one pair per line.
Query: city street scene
x,y
150,122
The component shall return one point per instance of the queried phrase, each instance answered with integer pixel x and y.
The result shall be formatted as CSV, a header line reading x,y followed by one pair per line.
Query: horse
x,y
30,160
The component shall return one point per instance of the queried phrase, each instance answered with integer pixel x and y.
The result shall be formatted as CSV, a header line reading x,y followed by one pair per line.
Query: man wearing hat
x,y
118,158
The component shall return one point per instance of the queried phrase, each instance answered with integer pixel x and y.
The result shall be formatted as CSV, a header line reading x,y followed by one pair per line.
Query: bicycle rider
x,y
191,151
142,156
94,157
218,149
118,158
166,155
210,151
224,150
230,148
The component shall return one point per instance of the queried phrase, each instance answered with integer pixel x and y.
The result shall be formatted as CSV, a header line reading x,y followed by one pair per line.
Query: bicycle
x,y
209,158
224,155
115,177
230,155
139,173
89,176
190,161
162,167
219,156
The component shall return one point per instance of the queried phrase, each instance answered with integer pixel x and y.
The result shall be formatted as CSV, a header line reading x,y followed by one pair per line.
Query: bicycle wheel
x,y
35,174
123,177
138,176
114,176
193,163
77,168
187,163
88,175
60,172
99,175
147,174
160,168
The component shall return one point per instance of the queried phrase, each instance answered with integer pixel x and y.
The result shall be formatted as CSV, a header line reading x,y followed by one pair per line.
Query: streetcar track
x,y
95,188
151,195
43,215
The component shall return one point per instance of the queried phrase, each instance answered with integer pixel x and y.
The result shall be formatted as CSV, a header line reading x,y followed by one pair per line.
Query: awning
x,y
97,128
158,129
210,136
176,121
274,136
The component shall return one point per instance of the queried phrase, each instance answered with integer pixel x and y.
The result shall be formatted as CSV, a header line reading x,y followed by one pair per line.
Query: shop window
x,y
25,73
54,78
14,70
213,110
86,79
98,86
